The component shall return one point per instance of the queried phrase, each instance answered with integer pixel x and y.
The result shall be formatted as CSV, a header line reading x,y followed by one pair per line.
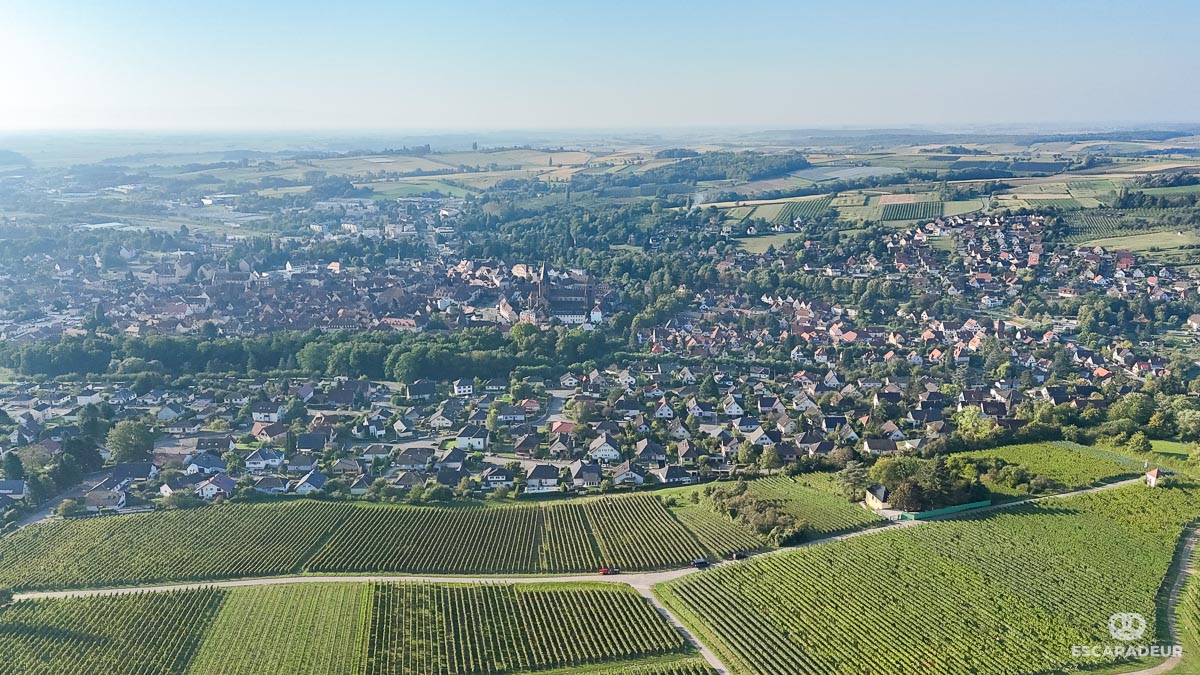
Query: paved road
x,y
642,582
46,510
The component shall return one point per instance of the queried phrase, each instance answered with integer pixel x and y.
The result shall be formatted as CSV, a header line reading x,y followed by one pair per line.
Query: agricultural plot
x,y
186,545
1109,223
809,208
767,212
957,208
352,628
1072,466
639,533
434,541
815,503
715,531
143,633
849,200
420,628
633,532
1003,592
314,628
1063,203
912,211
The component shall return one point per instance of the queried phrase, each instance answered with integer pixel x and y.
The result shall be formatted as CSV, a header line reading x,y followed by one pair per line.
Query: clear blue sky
x,y
445,64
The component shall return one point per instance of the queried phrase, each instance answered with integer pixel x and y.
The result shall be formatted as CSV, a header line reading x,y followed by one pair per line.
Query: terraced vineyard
x,y
633,532
145,633
825,512
1004,592
912,211
351,628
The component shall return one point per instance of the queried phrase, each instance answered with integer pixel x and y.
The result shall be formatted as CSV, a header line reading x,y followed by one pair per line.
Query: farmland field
x,y
812,498
352,628
313,628
159,632
1108,223
760,243
1003,592
809,208
633,532
912,211
185,545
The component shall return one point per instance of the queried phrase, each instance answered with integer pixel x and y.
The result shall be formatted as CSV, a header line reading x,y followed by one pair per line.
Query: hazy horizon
x,y
622,66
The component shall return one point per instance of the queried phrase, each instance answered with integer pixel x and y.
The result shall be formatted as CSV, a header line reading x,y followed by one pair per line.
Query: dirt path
x,y
1185,569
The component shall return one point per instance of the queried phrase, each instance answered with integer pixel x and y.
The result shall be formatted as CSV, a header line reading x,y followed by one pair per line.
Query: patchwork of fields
x,y
631,532
350,628
1007,591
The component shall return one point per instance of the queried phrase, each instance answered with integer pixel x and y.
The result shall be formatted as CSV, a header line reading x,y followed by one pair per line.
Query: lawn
x,y
760,243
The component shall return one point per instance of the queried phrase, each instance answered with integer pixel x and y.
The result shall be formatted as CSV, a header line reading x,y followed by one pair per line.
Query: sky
x,y
579,64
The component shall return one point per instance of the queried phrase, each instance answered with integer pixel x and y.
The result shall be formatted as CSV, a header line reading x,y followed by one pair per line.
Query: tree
x,y
853,480
770,460
69,508
130,441
1139,443
233,462
13,468
6,595
908,496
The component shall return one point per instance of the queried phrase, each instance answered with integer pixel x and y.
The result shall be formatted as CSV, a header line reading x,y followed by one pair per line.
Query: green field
x,y
1072,466
632,532
760,243
1090,225
813,499
912,211
1006,591
350,628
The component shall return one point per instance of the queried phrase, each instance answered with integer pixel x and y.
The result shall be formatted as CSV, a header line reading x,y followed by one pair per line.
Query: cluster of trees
x,y
483,352
918,484
764,516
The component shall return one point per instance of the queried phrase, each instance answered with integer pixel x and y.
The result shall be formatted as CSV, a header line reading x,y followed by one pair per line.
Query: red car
x,y
609,570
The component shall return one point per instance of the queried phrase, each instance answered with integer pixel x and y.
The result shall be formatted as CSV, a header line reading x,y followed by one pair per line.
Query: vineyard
x,y
421,628
185,545
1064,204
912,211
825,513
350,628
809,208
139,633
314,628
1107,223
1003,592
632,532
1072,467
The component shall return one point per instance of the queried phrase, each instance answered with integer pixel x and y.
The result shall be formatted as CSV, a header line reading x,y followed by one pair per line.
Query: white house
x,y
219,485
605,448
